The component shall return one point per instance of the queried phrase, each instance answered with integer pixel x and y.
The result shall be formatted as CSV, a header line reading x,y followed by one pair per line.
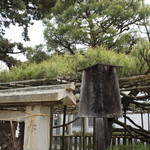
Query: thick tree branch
x,y
135,133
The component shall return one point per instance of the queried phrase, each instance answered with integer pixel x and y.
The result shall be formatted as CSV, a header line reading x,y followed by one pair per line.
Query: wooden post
x,y
69,127
103,133
83,133
148,121
125,122
142,123
86,124
37,131
63,131
100,134
94,133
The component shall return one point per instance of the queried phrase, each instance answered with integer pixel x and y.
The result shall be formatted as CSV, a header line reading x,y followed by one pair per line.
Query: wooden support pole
x,y
125,122
94,133
86,124
100,134
148,121
142,123
69,127
83,133
103,133
63,131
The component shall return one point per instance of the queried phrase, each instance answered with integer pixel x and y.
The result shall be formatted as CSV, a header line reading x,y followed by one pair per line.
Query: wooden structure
x,y
100,95
36,102
132,103
100,98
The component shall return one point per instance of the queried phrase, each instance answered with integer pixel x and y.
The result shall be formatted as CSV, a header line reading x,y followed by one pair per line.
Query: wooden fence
x,y
86,143
72,142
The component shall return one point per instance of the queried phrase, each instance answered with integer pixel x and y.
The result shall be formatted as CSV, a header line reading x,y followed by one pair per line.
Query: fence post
x,y
83,133
63,131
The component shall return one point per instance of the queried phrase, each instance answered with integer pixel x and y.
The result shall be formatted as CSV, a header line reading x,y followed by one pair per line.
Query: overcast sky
x,y
35,34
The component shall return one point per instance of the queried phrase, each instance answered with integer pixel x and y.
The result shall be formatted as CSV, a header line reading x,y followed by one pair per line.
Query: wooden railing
x,y
73,142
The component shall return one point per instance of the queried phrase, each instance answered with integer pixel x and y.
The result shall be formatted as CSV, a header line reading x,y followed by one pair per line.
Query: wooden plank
x,y
140,77
33,82
18,116
141,88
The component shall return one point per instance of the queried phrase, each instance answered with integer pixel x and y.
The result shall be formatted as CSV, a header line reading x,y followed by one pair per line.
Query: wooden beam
x,y
141,88
140,77
18,116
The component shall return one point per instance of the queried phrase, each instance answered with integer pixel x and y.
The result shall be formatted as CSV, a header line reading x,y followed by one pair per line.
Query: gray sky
x,y
35,34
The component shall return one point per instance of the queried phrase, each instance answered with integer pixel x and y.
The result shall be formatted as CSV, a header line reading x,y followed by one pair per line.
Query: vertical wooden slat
x,y
90,142
130,140
124,140
83,133
55,143
80,143
118,140
86,142
63,131
75,143
71,143
125,122
94,134
142,123
67,142
135,140
113,141
148,121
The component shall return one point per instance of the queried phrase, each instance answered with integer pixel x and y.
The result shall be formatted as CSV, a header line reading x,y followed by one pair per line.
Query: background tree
x,y
94,22
21,13
37,54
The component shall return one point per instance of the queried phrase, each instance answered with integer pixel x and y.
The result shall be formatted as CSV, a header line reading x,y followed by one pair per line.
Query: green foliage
x,y
21,13
93,23
68,66
142,54
7,47
137,146
36,55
